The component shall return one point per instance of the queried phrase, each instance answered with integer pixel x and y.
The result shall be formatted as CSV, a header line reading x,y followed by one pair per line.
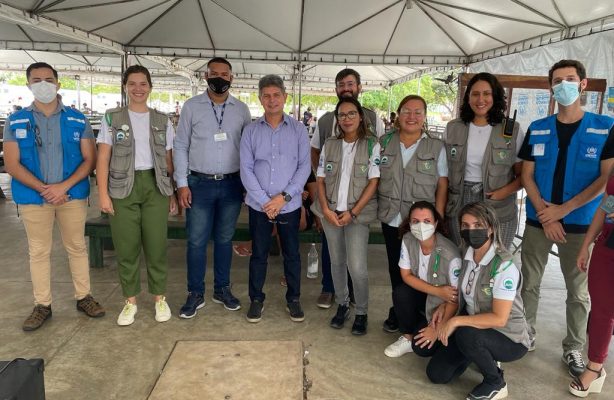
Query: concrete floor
x,y
96,359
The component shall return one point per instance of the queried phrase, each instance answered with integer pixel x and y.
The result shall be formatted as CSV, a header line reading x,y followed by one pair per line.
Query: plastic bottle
x,y
312,262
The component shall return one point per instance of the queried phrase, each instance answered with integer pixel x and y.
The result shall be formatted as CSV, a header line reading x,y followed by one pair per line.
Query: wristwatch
x,y
352,215
286,196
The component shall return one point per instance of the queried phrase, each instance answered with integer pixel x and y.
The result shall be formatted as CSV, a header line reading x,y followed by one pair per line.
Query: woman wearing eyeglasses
x,y
482,156
429,267
135,188
413,167
347,179
490,325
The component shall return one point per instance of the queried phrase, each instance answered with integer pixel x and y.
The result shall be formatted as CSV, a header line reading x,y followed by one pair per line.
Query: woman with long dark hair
x,y
347,179
482,149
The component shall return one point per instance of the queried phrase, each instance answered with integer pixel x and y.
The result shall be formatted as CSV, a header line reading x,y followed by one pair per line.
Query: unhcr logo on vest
x,y
591,152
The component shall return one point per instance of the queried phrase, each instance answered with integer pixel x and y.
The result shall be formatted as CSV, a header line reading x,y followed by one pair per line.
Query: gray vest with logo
x,y
516,328
326,122
400,187
358,180
446,251
497,167
121,166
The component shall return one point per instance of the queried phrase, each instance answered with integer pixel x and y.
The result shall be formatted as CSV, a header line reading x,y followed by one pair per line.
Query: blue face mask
x,y
565,93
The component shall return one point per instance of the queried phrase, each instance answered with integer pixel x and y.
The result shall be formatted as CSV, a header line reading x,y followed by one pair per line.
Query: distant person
x,y
86,109
177,108
307,116
49,151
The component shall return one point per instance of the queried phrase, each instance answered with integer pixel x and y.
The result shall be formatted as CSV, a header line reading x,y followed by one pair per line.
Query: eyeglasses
x,y
416,113
348,85
470,280
348,115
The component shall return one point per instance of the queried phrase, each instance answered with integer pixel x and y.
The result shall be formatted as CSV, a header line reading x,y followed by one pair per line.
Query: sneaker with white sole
x,y
574,361
126,317
163,312
398,348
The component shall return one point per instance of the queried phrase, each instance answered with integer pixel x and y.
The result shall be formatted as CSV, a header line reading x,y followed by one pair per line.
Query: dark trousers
x,y
484,347
327,277
409,306
393,251
260,229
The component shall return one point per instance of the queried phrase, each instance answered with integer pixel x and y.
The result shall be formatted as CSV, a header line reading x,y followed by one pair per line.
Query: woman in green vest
x,y
490,326
133,172
482,148
413,167
429,267
347,179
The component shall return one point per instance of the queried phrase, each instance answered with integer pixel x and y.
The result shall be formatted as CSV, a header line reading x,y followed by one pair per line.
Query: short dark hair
x,y
347,72
421,205
38,65
136,69
407,98
363,129
497,112
219,60
580,70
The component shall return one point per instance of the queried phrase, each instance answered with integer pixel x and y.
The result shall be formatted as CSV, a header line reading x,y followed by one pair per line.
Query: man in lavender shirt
x,y
274,168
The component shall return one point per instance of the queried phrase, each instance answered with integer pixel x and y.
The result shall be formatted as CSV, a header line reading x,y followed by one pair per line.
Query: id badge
x,y
539,149
220,137
21,133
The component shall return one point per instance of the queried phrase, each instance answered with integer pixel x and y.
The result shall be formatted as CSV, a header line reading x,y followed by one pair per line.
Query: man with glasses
x,y
206,158
347,84
49,151
274,169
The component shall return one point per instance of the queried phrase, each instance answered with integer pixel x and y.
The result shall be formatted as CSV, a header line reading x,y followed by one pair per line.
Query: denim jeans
x,y
214,210
348,251
327,277
260,229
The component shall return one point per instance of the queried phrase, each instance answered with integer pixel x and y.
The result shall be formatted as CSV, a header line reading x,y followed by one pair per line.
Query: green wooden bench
x,y
99,232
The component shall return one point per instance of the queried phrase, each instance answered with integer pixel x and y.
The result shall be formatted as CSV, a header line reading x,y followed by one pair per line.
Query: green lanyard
x,y
495,266
436,265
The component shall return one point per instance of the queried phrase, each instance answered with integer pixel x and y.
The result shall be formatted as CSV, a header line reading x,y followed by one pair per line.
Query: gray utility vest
x,y
326,122
400,187
516,328
121,167
358,180
439,265
497,168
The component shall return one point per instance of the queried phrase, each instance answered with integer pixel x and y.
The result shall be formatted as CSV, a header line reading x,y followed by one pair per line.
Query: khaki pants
x,y
534,256
38,221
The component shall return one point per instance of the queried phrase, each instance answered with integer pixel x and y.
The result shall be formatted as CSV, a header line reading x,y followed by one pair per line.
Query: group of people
x,y
448,209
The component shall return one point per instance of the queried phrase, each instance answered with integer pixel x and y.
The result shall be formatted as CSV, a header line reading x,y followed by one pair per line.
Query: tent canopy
x,y
387,41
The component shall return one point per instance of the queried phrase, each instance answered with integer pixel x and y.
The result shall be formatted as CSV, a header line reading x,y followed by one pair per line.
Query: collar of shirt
x,y
59,108
204,98
490,254
285,121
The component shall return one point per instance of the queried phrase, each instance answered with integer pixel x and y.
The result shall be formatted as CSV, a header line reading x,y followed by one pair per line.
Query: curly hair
x,y
497,112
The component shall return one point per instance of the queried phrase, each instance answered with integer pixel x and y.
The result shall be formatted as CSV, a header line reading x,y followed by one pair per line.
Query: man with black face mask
x,y
206,158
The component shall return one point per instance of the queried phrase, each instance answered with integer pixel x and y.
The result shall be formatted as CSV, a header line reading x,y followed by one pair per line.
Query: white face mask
x,y
44,91
422,231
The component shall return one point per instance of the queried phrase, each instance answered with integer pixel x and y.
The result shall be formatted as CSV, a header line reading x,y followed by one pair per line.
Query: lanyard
x,y
219,120
436,265
495,265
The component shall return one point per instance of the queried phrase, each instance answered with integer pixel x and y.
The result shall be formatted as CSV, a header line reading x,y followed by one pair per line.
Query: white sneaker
x,y
126,317
398,348
163,312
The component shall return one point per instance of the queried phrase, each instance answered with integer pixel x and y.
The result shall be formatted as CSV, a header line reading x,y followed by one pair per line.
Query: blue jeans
x,y
260,229
215,208
327,277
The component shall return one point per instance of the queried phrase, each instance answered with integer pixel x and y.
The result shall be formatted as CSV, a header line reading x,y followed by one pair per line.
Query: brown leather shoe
x,y
38,317
90,307
325,300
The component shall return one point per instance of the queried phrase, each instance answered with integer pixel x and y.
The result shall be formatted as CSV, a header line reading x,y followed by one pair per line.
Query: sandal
x,y
241,250
577,388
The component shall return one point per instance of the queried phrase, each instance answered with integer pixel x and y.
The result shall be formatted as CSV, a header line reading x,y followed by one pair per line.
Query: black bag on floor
x,y
22,379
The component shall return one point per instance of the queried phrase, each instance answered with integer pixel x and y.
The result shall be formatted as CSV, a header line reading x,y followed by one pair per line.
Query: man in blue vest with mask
x,y
49,152
567,157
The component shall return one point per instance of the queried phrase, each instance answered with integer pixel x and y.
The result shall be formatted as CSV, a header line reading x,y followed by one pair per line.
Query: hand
x,y
438,315
552,213
106,204
331,217
172,205
582,260
345,218
273,207
554,231
54,193
445,330
495,195
426,337
184,195
305,195
611,215
448,293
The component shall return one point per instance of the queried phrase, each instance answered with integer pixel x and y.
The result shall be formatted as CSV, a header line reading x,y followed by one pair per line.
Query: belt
x,y
216,177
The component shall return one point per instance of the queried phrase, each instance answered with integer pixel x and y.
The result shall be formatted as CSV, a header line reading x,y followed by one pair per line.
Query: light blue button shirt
x,y
200,144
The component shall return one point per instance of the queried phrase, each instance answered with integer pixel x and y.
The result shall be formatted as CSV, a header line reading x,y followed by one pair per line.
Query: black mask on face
x,y
218,85
475,237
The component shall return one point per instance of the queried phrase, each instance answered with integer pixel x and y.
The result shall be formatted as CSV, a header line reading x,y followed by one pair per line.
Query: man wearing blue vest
x,y
49,152
567,157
